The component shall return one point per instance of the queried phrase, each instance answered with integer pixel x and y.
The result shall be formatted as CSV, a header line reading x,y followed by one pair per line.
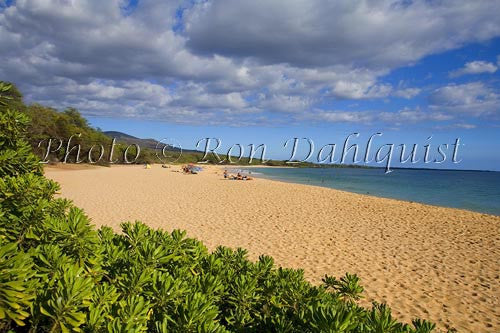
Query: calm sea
x,y
472,190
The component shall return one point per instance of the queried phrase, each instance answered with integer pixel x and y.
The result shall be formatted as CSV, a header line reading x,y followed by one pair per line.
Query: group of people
x,y
238,176
190,169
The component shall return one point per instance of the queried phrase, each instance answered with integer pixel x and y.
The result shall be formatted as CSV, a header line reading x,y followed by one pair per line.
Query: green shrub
x,y
17,284
57,274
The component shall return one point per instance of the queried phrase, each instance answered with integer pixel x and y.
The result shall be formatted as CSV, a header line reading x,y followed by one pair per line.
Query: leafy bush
x,y
57,274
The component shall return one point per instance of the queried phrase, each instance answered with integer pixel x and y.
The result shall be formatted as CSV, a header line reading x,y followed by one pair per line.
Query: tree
x,y
11,97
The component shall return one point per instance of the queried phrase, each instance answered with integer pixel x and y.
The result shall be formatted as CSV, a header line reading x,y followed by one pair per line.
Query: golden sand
x,y
431,262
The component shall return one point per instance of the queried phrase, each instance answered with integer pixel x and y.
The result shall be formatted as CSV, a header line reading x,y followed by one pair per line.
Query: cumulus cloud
x,y
360,90
475,67
473,98
284,103
404,116
304,33
227,62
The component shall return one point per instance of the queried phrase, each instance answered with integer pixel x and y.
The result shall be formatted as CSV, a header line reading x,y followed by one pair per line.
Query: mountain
x,y
143,143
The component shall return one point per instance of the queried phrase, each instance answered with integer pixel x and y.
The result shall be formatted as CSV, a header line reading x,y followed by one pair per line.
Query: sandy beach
x,y
436,263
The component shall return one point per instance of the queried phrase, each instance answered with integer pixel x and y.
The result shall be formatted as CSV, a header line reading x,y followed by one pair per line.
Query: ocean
x,y
472,190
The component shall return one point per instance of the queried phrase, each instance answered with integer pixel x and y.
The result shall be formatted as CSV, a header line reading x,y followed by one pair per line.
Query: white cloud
x,y
407,115
360,90
465,126
284,103
401,117
473,99
407,93
475,67
338,116
196,96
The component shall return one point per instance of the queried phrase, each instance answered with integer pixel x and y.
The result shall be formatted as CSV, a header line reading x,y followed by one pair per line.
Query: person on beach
x,y
238,176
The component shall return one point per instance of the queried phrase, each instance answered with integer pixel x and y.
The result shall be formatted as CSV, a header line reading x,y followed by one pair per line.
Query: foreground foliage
x,y
57,274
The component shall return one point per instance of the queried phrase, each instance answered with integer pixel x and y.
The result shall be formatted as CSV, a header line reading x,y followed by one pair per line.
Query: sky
x,y
264,72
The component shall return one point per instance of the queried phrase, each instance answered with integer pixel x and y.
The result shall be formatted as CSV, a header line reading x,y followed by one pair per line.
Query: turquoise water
x,y
472,190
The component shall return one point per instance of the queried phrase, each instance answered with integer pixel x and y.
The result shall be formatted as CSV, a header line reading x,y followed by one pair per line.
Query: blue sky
x,y
263,72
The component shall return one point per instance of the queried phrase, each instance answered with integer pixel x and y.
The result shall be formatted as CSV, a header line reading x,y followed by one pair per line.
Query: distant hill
x,y
143,143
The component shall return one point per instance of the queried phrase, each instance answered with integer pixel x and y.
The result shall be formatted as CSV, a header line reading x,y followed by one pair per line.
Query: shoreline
x,y
282,180
382,197
80,167
86,166
425,261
